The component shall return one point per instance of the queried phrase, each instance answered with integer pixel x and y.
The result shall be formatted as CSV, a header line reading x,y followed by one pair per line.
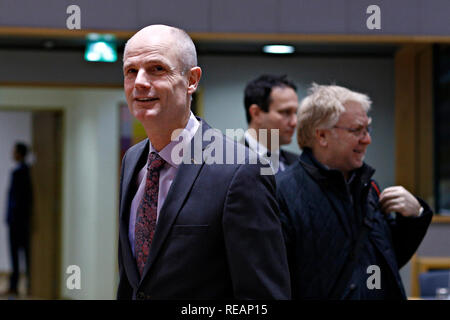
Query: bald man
x,y
198,229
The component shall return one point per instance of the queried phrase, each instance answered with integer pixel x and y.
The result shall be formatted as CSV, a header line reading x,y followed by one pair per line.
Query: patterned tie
x,y
147,211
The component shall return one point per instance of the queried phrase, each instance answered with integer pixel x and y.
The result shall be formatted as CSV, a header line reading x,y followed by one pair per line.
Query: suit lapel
x,y
176,197
245,142
135,161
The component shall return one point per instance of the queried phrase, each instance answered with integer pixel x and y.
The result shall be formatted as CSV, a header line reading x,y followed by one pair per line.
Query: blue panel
x,y
397,16
191,15
318,16
435,18
244,16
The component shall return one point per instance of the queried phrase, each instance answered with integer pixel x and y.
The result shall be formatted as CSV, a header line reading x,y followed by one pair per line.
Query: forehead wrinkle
x,y
351,118
142,48
362,120
148,59
152,52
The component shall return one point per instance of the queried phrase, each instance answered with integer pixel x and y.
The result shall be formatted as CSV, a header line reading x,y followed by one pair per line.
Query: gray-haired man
x,y
342,240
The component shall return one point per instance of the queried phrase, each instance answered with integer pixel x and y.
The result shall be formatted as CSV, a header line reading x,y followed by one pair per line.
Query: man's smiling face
x,y
346,149
156,86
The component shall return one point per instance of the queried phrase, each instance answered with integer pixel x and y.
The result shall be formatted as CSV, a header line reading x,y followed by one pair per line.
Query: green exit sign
x,y
100,48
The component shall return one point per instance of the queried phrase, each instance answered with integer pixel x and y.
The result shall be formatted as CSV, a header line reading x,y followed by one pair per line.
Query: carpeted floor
x,y
4,286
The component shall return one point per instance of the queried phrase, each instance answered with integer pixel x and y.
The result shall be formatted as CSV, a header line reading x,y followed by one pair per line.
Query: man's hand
x,y
398,199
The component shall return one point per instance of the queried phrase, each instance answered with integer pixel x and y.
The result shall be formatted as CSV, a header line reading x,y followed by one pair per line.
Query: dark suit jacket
x,y
287,157
218,234
19,198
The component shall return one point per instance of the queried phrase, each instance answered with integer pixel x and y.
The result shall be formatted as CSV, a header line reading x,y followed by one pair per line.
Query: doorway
x,y
44,137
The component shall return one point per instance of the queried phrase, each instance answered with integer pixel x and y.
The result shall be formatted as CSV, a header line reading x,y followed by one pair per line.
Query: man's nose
x,y
142,79
367,138
293,120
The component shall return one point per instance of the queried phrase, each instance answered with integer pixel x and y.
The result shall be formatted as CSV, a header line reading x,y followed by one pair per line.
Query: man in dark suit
x,y
195,229
19,215
271,103
345,239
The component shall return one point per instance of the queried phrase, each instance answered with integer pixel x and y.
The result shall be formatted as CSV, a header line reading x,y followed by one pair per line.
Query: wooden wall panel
x,y
46,224
425,126
405,118
414,129
414,119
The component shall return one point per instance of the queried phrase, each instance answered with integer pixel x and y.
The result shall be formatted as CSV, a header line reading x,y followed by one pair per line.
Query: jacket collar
x,y
334,181
322,173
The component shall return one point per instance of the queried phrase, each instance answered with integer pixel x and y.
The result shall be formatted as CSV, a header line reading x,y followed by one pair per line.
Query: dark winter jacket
x,y
322,216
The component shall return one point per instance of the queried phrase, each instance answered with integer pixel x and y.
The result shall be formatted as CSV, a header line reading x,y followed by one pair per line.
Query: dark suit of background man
x,y
19,215
271,102
217,233
343,238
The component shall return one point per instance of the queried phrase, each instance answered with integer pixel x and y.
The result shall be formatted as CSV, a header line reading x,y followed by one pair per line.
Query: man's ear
x,y
255,112
194,76
321,137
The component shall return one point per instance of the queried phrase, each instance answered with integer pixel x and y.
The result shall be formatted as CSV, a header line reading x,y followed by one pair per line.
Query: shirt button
x,y
140,296
352,286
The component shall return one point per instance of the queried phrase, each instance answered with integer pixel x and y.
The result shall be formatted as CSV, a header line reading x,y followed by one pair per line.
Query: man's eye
x,y
131,70
157,68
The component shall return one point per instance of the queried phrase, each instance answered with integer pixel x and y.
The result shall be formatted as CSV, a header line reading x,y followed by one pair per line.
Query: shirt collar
x,y
258,147
189,131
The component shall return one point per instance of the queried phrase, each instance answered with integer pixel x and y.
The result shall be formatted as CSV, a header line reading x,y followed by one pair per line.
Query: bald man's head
x,y
178,39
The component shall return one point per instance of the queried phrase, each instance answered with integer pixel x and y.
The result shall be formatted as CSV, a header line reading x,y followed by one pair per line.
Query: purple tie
x,y
147,211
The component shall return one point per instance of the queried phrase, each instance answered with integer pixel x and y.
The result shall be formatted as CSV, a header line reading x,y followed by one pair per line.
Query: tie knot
x,y
155,162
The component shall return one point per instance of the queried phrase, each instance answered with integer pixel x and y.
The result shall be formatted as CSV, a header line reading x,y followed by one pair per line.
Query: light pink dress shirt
x,y
166,176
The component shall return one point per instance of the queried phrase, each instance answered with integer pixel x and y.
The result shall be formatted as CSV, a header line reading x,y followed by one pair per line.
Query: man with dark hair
x,y
271,102
19,214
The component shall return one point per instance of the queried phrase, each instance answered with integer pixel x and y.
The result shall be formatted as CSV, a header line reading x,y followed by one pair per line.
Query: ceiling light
x,y
278,49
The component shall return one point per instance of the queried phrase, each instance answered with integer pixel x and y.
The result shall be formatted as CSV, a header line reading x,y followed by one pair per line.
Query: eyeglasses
x,y
359,132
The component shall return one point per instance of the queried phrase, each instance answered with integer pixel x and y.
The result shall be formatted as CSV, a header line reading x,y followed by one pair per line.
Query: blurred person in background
x,y
18,215
271,102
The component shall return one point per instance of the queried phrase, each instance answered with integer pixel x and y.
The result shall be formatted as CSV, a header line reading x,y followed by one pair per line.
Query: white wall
x,y
90,180
14,127
224,80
